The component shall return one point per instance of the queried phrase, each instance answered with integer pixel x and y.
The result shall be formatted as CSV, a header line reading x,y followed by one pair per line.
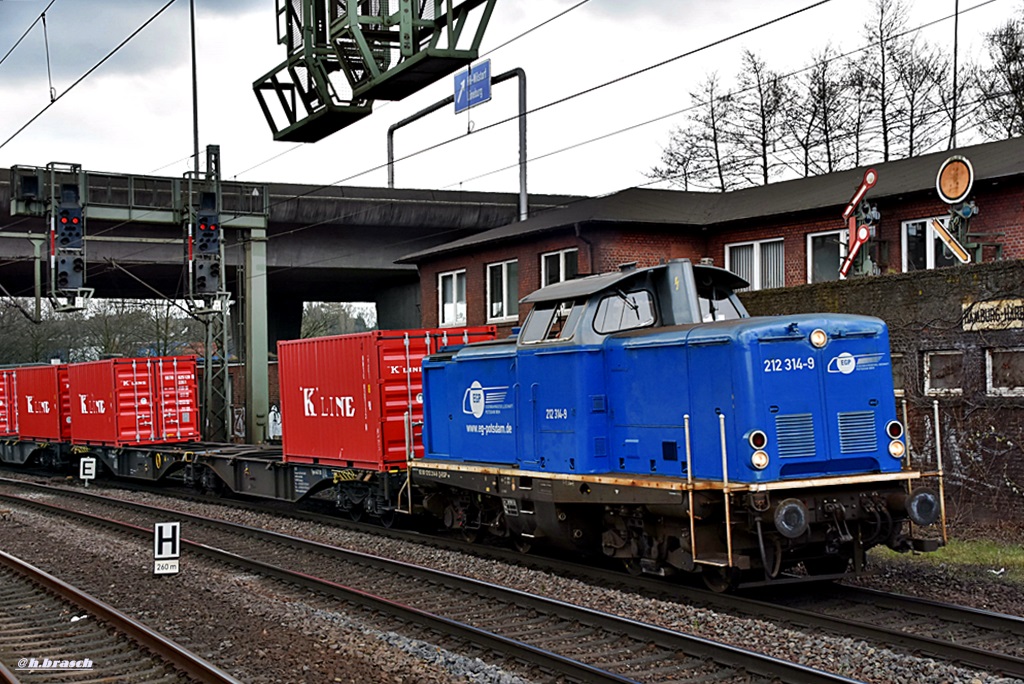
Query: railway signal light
x,y
70,227
207,234
70,272
207,276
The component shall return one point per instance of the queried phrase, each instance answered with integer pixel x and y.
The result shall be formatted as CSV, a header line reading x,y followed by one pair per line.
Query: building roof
x,y
681,210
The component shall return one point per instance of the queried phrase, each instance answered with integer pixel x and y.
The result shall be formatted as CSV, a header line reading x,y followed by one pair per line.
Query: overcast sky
x,y
134,113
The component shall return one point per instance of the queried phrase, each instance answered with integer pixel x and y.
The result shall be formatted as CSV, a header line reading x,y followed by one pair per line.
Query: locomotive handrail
x,y
689,487
725,489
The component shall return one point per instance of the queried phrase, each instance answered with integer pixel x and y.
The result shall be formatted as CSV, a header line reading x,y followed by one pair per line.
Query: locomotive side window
x,y
620,311
716,304
551,321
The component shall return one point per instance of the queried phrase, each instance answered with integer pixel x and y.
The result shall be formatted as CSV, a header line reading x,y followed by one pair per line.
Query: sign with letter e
x,y
166,548
87,469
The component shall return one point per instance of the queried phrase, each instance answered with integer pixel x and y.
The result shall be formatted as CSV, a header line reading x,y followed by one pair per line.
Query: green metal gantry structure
x,y
344,54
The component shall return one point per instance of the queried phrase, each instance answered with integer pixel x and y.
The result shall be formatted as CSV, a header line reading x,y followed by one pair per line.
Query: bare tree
x,y
884,31
761,106
916,75
1002,83
679,158
700,155
818,116
862,107
320,319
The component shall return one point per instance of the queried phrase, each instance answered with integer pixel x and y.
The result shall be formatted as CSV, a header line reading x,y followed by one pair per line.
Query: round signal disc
x,y
956,176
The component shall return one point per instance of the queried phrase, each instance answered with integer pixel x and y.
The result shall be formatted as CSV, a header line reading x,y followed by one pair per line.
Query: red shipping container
x,y
344,398
44,404
8,403
175,382
133,402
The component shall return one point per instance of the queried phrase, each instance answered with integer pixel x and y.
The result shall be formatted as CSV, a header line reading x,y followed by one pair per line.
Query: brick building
x,y
778,235
957,331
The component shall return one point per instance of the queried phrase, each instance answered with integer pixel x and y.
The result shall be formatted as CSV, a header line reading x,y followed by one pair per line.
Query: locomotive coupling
x,y
921,505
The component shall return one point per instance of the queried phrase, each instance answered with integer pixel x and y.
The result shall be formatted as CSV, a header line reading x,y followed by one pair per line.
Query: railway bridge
x,y
330,243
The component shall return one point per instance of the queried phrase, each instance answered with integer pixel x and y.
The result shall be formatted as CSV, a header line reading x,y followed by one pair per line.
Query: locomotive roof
x,y
588,285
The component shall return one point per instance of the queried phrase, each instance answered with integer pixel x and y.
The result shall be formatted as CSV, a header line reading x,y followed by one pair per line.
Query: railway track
x,y
979,639
50,629
565,641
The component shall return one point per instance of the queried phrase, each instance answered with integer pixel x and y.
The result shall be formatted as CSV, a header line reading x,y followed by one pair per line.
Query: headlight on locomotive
x,y
818,338
894,430
759,460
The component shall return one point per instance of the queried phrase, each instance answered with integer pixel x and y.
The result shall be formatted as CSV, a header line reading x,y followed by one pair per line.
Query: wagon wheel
x,y
720,579
355,513
469,535
523,545
387,518
633,567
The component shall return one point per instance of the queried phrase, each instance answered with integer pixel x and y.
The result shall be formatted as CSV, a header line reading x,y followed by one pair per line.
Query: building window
x,y
898,381
759,263
1004,372
943,373
451,291
556,267
503,291
825,254
922,248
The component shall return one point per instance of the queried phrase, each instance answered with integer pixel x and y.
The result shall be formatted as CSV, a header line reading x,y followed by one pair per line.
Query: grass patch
x,y
982,557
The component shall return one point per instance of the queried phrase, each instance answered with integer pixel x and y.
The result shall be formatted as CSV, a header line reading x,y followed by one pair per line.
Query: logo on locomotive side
x,y
320,406
846,362
479,399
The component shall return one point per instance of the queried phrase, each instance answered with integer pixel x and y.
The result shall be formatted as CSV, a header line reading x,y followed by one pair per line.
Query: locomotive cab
x,y
645,415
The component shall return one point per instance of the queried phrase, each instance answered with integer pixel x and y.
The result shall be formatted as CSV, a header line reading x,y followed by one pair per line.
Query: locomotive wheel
x,y
523,545
469,535
355,513
720,579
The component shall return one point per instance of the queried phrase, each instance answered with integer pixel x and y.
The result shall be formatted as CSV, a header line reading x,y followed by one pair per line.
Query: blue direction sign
x,y
473,86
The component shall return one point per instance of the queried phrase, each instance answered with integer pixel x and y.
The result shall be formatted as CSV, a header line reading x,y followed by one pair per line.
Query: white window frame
x,y
929,241
561,265
990,389
844,236
460,314
509,316
940,391
755,283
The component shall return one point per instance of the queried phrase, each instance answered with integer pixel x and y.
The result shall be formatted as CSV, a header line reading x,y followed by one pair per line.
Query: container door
x,y
134,396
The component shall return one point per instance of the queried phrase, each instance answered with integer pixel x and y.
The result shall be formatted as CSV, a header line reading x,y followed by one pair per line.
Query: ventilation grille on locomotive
x,y
796,435
857,432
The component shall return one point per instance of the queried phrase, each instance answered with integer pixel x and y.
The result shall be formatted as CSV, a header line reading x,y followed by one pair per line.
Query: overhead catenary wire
x,y
30,27
89,72
744,32
489,52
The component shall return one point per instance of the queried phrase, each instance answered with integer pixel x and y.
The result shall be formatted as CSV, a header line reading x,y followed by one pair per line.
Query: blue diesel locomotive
x,y
644,415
